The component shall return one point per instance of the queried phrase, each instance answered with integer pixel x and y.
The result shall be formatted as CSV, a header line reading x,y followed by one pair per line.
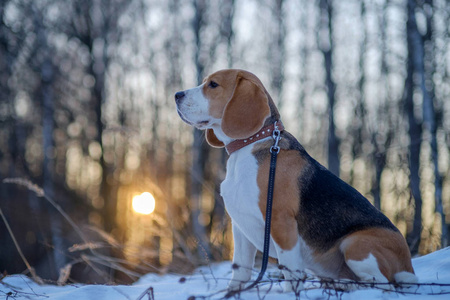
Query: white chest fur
x,y
240,192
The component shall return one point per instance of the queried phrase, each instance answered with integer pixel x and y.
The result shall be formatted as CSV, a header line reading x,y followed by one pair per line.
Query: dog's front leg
x,y
243,260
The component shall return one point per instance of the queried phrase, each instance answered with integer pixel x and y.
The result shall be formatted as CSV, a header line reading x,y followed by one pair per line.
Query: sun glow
x,y
143,203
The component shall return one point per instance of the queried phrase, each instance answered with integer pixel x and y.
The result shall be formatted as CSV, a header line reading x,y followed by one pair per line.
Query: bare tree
x,y
226,29
199,147
382,139
46,70
218,213
277,50
415,56
429,112
326,46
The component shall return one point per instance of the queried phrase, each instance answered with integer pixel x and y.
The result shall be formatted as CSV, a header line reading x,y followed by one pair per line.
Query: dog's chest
x,y
240,190
241,194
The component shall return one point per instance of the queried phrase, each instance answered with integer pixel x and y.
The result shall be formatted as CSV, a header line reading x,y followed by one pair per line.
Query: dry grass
x,y
94,259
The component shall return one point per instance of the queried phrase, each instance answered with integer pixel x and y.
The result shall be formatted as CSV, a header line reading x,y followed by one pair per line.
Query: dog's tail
x,y
406,279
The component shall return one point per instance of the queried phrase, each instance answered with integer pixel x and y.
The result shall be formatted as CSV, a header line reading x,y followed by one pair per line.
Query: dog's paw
x,y
239,278
292,286
236,285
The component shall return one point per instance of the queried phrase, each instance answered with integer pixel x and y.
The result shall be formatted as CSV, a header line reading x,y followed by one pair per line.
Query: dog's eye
x,y
213,84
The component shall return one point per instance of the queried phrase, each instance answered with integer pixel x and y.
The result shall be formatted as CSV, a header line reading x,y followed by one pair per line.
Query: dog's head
x,y
229,104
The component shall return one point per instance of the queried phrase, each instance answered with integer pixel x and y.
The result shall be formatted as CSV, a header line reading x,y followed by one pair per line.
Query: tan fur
x,y
240,100
286,196
220,96
388,247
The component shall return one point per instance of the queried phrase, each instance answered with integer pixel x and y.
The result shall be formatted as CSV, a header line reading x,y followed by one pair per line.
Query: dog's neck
x,y
221,136
263,133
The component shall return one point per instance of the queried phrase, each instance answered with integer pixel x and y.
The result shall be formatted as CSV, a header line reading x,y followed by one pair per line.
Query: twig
x,y
149,292
17,291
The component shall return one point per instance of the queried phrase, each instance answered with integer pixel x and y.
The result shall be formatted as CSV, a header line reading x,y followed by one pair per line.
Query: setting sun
x,y
144,203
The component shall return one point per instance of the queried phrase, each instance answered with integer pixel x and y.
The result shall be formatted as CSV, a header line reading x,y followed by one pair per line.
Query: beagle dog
x,y
319,222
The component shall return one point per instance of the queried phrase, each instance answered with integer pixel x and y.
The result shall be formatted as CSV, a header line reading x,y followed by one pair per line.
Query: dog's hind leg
x,y
377,255
369,271
292,267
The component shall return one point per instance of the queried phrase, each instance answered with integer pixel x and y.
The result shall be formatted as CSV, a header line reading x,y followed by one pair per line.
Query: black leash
x,y
274,150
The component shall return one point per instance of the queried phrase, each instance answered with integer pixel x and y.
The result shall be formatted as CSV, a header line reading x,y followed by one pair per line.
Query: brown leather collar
x,y
262,134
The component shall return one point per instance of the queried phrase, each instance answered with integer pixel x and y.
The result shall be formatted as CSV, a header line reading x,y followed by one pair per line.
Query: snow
x,y
210,282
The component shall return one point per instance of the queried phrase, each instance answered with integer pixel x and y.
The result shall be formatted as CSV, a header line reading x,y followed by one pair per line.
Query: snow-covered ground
x,y
210,282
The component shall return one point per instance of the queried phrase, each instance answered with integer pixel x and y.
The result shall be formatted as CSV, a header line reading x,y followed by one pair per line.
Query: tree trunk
x,y
277,52
379,157
109,198
429,118
218,213
415,54
47,98
326,43
48,164
359,117
382,143
199,149
227,28
199,156
97,69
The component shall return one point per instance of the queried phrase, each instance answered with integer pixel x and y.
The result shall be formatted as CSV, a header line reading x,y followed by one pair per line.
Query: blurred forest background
x,y
88,121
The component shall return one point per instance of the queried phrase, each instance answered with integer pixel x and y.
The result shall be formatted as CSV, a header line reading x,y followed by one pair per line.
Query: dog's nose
x,y
179,96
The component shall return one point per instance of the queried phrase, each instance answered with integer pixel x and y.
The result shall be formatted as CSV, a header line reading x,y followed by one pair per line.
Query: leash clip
x,y
276,134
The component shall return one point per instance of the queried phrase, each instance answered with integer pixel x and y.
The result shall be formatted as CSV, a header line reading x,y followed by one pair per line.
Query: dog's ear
x,y
212,139
247,110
